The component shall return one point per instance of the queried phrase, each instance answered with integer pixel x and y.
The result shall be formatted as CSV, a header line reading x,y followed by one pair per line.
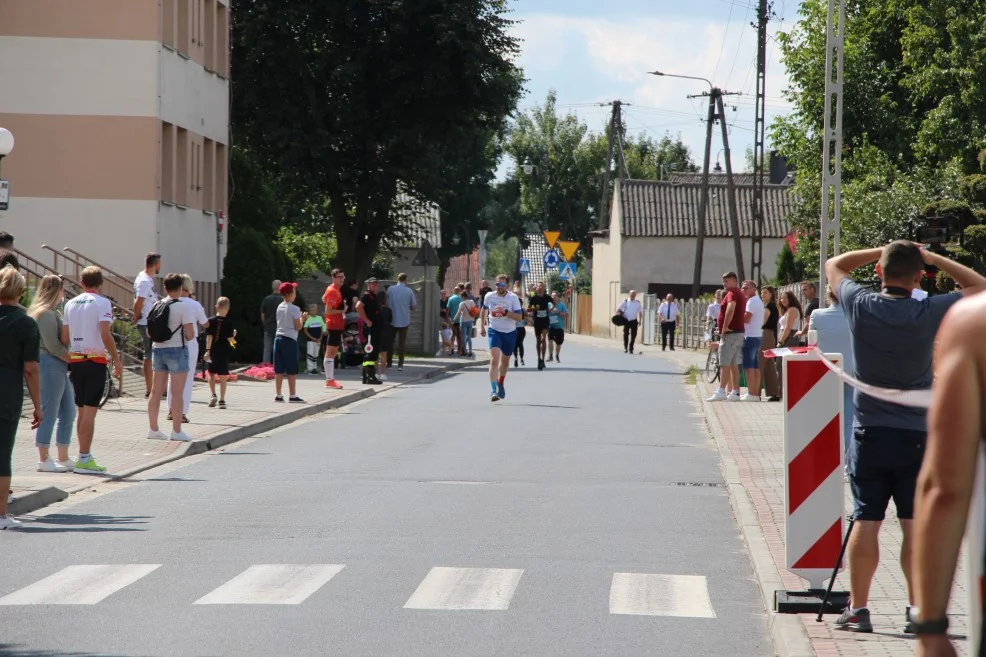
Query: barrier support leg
x,y
816,600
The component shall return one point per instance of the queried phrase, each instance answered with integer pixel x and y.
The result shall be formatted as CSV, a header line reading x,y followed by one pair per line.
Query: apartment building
x,y
120,112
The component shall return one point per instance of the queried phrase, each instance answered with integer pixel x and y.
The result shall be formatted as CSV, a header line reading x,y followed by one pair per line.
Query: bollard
x,y
814,490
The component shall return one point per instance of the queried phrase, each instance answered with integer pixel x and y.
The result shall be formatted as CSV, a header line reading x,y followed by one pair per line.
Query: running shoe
x,y
494,397
9,522
332,384
213,402
49,465
854,622
89,466
500,392
718,395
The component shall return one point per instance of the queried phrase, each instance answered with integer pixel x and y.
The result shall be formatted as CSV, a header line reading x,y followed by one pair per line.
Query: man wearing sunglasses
x,y
502,310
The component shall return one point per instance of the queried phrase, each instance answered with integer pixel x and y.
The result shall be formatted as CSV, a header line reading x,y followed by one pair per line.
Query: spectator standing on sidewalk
x,y
732,332
753,338
453,311
402,303
268,317
668,314
19,347
57,396
369,311
314,330
290,319
468,311
893,339
217,350
788,327
947,481
712,312
631,310
145,296
199,319
810,293
834,337
768,370
86,330
171,327
335,301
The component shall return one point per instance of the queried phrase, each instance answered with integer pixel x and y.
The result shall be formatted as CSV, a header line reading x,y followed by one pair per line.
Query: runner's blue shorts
x,y
502,340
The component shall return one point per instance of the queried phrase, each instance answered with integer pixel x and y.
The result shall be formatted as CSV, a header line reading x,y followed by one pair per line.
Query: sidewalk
x,y
751,444
121,445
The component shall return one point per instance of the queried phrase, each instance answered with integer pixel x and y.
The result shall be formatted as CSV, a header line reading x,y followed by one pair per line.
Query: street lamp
x,y
718,167
528,167
683,77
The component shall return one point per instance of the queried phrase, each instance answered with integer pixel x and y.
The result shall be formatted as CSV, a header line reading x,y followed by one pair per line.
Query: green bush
x,y
974,188
949,208
944,283
247,272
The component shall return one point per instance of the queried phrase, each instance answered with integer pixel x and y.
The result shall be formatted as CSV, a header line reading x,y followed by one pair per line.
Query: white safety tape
x,y
912,398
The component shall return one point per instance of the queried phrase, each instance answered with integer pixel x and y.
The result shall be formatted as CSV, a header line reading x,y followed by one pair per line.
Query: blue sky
x,y
591,51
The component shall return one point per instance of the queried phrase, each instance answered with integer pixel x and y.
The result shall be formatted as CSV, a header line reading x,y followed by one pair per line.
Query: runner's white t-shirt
x,y
498,308
179,314
754,327
83,315
144,289
200,317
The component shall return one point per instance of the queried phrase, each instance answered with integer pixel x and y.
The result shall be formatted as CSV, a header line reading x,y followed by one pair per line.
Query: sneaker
x,y
733,397
68,464
222,403
400,368
750,398
213,402
522,363
296,400
550,358
180,436
49,465
279,398
557,359
500,392
718,395
494,397
515,363
858,622
908,623
156,435
88,467
333,384
9,522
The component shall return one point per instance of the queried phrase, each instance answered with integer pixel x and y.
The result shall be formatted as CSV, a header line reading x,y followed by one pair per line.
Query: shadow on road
x,y
82,523
19,650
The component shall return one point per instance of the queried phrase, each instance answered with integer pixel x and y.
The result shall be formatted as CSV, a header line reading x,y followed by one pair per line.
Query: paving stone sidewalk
x,y
751,443
121,445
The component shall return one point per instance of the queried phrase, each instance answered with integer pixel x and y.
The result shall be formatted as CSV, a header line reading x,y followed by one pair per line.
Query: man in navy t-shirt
x,y
893,339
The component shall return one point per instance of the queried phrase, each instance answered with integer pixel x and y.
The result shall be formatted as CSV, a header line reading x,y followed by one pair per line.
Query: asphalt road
x,y
584,515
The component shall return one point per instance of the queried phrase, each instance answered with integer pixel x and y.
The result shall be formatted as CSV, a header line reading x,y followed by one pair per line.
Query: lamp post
x,y
6,146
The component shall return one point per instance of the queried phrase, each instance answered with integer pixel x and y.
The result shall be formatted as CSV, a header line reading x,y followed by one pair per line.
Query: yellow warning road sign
x,y
568,249
551,237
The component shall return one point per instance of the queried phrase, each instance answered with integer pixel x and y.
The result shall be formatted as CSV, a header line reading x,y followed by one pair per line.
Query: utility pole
x,y
715,112
615,123
832,133
759,145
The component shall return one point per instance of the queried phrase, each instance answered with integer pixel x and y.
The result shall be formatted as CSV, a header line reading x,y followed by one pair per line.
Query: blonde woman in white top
x,y
787,328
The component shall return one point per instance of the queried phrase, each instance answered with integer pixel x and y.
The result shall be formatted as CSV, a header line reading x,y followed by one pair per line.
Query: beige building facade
x,y
120,112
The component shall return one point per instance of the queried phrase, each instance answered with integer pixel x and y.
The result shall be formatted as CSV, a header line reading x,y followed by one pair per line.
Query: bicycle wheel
x,y
712,366
107,388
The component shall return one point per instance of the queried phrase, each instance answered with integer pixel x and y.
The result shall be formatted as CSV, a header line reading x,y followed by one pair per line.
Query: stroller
x,y
351,354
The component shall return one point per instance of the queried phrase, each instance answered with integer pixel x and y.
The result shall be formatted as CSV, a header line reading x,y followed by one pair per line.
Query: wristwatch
x,y
919,627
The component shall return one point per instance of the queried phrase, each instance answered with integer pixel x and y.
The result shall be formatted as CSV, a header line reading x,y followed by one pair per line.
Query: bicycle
x,y
109,388
712,369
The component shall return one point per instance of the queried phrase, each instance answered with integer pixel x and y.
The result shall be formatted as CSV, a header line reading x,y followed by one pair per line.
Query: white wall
x,y
115,233
193,98
672,260
88,77
607,261
187,243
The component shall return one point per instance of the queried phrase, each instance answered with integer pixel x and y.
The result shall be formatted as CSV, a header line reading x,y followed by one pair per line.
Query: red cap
x,y
287,288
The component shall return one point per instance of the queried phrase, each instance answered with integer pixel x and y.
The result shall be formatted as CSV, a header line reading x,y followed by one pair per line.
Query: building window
x,y
222,40
167,163
209,171
210,35
184,21
169,9
181,170
222,172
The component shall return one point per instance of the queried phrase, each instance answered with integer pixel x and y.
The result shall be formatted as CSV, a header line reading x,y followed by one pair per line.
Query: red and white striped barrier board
x,y
814,487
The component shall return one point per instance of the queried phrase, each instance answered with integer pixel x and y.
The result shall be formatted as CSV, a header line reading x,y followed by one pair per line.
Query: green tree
x,y
308,253
355,100
248,269
789,268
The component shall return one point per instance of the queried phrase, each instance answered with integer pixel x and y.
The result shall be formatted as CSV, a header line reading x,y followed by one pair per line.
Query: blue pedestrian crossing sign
x,y
551,259
525,266
567,271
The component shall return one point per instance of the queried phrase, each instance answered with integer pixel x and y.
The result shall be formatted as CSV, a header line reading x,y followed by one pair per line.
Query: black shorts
x,y
219,364
88,381
333,338
884,463
556,335
540,326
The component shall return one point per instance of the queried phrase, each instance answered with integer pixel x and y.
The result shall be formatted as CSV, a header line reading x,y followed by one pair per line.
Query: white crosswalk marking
x,y
272,585
685,596
466,588
79,585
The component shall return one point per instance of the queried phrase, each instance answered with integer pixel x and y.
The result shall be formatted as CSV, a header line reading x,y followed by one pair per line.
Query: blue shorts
x,y
883,463
170,359
751,353
285,355
505,342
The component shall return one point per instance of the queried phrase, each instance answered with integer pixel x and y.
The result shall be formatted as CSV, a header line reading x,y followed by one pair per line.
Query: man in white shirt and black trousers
x,y
668,312
631,310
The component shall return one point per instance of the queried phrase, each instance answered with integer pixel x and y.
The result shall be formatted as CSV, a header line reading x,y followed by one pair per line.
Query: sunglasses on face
x,y
501,285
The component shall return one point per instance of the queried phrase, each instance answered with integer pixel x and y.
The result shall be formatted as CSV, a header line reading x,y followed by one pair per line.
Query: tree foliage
x,y
353,100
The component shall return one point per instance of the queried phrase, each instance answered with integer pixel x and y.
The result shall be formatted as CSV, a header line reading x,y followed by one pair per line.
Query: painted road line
x,y
466,588
685,596
79,585
278,584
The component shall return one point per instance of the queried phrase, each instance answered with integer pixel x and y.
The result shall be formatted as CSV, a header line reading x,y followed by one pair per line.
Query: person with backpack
x,y
170,327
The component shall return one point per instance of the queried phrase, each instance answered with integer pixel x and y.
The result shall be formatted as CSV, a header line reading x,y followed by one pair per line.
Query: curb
x,y
30,501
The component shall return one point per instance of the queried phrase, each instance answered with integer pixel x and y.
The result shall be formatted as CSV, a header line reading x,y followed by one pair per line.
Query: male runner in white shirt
x,y
502,309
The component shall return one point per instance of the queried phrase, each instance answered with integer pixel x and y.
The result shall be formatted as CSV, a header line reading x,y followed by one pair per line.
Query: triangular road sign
x,y
426,256
568,249
551,237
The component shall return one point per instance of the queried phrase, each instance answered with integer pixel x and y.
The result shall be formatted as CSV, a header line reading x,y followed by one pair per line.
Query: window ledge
x,y
181,207
209,212
182,55
168,46
220,75
168,203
